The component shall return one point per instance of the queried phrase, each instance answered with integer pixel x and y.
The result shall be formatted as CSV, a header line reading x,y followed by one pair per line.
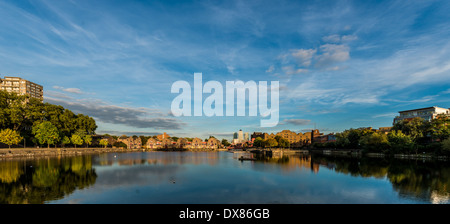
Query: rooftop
x,y
425,108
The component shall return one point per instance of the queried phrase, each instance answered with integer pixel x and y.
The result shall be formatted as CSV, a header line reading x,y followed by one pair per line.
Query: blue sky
x,y
340,64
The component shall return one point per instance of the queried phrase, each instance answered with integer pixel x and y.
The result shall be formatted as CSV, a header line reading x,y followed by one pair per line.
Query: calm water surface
x,y
219,177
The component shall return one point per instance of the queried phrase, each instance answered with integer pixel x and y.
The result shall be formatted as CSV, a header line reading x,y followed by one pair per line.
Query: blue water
x,y
219,177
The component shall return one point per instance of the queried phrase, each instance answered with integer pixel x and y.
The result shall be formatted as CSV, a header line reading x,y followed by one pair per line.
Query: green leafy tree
x,y
416,127
15,110
375,142
85,123
354,136
120,144
81,132
342,140
258,142
10,137
440,127
271,142
88,140
46,132
400,142
76,140
282,142
144,139
65,141
225,143
351,138
104,142
20,113
446,146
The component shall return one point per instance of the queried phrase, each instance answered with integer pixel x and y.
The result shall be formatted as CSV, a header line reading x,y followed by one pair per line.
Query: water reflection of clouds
x,y
365,195
146,178
135,175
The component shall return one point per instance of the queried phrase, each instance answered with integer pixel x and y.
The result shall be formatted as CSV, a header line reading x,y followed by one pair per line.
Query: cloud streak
x,y
332,57
69,90
132,117
297,122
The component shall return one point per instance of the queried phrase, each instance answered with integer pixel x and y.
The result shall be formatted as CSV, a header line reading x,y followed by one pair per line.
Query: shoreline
x,y
6,153
358,153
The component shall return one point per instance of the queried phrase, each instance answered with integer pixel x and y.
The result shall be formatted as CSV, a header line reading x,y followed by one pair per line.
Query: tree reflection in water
x,y
44,180
411,178
38,181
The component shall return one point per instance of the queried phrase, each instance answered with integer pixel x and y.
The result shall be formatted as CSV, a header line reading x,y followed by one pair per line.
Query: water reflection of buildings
x,y
163,158
291,163
305,162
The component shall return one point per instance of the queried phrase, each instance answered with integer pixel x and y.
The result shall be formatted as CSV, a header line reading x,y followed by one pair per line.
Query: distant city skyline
x,y
340,64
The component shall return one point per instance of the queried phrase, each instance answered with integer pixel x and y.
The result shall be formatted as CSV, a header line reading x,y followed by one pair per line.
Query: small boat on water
x,y
242,158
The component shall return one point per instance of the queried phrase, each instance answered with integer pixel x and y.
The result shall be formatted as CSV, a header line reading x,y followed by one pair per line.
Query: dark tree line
x,y
410,137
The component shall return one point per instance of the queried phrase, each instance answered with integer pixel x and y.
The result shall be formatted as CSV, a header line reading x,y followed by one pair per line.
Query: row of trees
x,y
28,120
416,135
278,141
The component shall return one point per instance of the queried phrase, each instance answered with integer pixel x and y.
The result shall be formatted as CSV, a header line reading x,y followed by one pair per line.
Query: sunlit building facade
x,y
427,113
22,87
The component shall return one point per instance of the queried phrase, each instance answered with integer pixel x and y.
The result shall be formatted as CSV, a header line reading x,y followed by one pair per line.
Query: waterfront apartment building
x,y
257,134
325,138
295,139
197,143
182,143
132,143
22,87
213,143
427,113
153,144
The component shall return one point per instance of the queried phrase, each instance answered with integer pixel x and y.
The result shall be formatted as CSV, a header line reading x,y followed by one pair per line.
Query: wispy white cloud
x,y
389,115
304,56
113,114
331,54
290,70
69,90
336,38
326,56
297,122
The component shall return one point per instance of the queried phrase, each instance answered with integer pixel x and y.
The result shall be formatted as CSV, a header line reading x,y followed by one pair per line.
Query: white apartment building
x,y
427,113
